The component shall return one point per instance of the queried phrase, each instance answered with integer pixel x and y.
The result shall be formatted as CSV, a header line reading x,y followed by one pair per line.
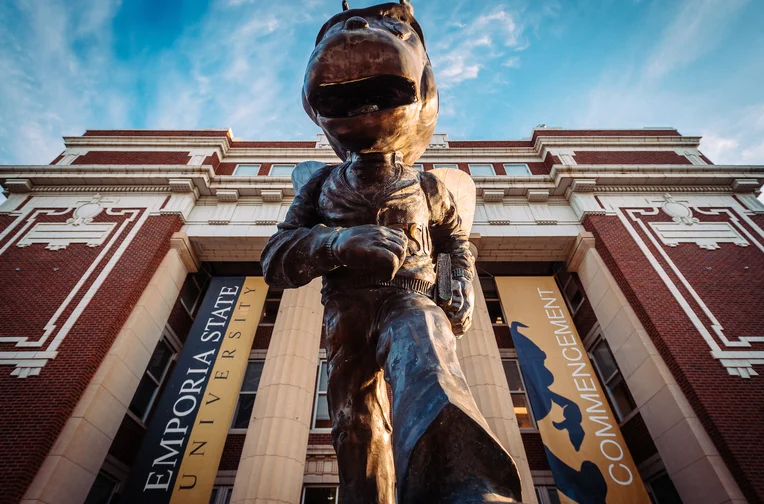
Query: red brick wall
x,y
534,449
316,438
133,158
273,145
729,407
630,157
483,144
212,160
35,409
234,444
603,133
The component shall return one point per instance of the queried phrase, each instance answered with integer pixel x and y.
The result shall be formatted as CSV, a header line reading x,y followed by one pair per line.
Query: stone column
x,y
479,357
273,458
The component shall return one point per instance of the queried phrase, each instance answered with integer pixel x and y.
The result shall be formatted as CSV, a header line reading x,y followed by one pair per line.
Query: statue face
x,y
369,84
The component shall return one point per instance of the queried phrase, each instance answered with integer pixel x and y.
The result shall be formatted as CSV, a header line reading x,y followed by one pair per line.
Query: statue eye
x,y
400,30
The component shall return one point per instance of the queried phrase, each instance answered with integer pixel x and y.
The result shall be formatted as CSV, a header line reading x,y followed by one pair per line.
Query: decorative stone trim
x,y
227,195
18,186
182,185
493,195
745,185
272,195
536,195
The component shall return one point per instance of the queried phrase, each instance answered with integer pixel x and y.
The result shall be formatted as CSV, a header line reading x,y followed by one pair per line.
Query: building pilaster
x,y
479,357
273,458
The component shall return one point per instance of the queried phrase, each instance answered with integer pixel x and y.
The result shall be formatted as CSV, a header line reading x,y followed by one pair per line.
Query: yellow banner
x,y
584,445
197,472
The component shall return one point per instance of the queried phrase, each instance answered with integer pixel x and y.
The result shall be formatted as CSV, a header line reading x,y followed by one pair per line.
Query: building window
x,y
573,295
418,166
246,402
221,494
103,490
498,321
247,170
662,490
482,170
154,377
612,379
547,495
321,419
321,495
192,290
446,165
520,400
517,170
281,170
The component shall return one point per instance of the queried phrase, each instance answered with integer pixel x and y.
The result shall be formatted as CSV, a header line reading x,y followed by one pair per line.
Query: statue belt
x,y
364,282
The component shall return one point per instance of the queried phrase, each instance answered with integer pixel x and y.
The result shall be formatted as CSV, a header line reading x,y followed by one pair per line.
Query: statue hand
x,y
371,247
462,306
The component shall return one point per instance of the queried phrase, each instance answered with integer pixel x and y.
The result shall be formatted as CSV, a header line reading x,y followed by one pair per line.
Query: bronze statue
x,y
375,228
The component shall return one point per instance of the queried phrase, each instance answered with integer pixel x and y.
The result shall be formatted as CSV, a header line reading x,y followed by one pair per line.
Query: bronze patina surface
x,y
375,229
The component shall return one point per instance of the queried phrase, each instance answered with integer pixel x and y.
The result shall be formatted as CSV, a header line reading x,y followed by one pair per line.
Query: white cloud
x,y
56,69
698,27
462,51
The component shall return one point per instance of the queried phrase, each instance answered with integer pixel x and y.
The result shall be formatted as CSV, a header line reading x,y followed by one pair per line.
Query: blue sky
x,y
503,67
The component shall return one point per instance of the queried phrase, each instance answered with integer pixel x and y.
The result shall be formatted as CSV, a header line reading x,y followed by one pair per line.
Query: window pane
x,y
247,170
494,311
488,285
554,497
214,495
573,294
323,377
481,170
622,398
159,359
282,170
252,376
517,170
102,490
315,495
521,411
244,411
664,490
322,413
189,293
418,166
513,376
144,394
446,165
605,361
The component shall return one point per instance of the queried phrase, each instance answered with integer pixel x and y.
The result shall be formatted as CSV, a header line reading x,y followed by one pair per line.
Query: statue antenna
x,y
345,5
407,3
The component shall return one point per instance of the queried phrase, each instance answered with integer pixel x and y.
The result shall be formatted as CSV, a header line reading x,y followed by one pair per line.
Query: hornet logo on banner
x,y
584,446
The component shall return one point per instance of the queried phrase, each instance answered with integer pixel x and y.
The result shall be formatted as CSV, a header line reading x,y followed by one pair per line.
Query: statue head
x,y
369,84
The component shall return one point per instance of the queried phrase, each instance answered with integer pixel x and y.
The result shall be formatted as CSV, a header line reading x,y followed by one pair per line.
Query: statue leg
x,y
444,449
358,404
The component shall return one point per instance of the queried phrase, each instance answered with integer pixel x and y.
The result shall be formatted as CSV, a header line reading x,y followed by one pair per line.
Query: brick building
x,y
107,252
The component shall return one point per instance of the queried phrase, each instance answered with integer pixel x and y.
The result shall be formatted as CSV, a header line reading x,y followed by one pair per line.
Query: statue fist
x,y
460,310
371,247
